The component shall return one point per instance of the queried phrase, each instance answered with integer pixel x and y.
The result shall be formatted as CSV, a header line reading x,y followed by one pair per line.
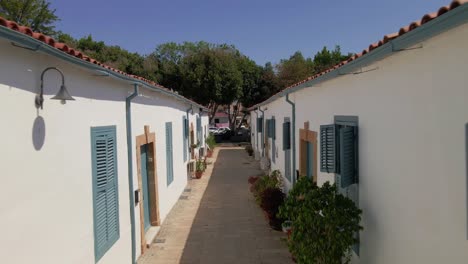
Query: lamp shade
x,y
63,94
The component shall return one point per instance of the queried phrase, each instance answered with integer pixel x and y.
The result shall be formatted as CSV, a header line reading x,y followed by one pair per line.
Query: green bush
x,y
210,141
324,223
274,180
200,166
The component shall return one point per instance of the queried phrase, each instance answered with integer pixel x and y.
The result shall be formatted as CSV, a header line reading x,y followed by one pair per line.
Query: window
x,y
216,120
169,151
273,137
339,154
339,151
105,189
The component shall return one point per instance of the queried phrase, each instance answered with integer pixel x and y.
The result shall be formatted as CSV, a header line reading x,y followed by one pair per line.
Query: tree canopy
x,y
211,74
35,14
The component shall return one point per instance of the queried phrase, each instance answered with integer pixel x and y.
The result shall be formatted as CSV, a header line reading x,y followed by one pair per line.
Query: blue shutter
x,y
347,156
328,162
105,189
273,128
260,125
169,151
286,135
273,137
184,137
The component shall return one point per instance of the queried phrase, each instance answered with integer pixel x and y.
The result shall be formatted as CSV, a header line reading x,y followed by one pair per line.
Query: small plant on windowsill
x,y
194,146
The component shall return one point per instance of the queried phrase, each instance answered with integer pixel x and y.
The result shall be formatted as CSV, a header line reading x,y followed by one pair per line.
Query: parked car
x,y
213,130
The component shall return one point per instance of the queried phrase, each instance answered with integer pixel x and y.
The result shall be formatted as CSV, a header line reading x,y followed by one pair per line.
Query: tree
x,y
211,76
294,69
35,14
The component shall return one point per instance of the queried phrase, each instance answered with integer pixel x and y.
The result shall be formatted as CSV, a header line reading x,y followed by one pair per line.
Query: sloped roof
x,y
78,54
424,19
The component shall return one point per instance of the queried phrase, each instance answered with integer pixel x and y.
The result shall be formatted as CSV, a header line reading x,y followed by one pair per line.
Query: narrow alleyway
x,y
217,221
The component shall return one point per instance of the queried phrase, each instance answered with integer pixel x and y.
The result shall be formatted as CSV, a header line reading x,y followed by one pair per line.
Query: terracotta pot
x,y
198,174
209,153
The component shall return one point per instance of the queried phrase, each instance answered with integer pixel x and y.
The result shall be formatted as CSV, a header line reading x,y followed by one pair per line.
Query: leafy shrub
x,y
253,179
324,223
264,182
271,200
210,141
200,166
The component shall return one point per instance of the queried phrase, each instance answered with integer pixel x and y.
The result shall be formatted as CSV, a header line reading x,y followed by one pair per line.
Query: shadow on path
x,y
228,226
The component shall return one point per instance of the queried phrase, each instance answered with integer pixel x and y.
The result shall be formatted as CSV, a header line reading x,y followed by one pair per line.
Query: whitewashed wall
x,y
46,203
280,109
154,109
412,112
49,194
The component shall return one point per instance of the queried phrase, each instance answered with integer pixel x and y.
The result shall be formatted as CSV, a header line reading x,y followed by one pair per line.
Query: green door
x,y
144,180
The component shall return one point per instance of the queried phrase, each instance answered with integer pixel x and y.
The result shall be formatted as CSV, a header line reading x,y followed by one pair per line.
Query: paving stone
x,y
220,222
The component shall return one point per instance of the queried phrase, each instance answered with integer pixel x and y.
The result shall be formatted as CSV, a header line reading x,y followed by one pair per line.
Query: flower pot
x,y
286,226
209,153
198,174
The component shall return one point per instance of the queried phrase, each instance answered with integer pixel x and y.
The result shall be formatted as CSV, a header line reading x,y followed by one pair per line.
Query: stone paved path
x,y
219,222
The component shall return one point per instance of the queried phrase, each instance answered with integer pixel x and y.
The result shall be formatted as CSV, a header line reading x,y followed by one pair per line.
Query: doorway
x,y
147,184
145,188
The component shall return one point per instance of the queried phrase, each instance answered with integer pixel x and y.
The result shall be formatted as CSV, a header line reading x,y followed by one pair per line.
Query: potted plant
x,y
199,169
211,142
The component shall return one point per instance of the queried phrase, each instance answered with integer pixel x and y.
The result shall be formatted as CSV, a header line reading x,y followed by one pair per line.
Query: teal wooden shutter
x,y
169,151
286,135
328,147
273,128
199,131
105,189
184,137
260,125
347,156
273,137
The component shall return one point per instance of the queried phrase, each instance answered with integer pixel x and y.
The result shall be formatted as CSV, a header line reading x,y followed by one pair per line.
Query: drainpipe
x,y
130,166
263,131
293,176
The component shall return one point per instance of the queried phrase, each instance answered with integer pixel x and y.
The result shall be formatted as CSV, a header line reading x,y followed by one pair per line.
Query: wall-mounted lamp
x,y
61,95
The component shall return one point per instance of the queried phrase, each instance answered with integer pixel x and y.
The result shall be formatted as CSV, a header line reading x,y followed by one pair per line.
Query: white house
x,y
89,180
389,126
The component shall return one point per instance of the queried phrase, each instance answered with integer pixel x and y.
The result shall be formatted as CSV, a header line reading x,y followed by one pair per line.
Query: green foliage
x,y
210,141
35,14
298,68
200,166
272,181
324,223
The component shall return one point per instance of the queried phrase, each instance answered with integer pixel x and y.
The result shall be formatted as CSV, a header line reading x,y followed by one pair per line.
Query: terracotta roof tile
x,y
426,18
76,53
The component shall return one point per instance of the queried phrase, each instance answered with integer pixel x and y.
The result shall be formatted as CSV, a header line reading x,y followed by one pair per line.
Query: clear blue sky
x,y
264,30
